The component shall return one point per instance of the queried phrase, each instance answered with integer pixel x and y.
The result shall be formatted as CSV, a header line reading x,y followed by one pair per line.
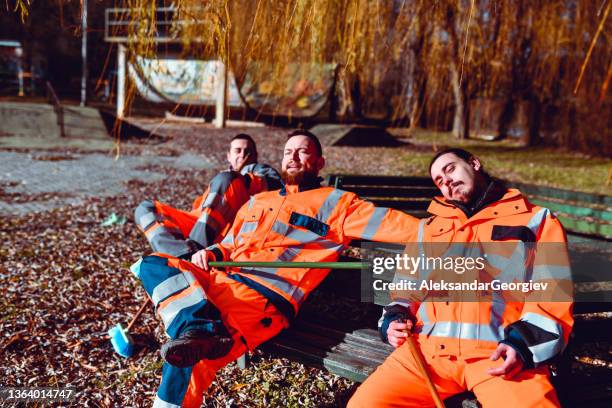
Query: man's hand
x,y
512,364
200,259
397,332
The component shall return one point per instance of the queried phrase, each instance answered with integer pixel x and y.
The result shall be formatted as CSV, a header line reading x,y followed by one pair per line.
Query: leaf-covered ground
x,y
65,282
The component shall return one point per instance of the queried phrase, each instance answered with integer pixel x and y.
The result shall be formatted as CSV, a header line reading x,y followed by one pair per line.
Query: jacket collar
x,y
493,192
511,202
309,183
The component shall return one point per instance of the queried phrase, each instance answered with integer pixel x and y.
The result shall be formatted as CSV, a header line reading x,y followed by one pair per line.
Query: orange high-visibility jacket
x,y
537,326
304,226
216,208
258,177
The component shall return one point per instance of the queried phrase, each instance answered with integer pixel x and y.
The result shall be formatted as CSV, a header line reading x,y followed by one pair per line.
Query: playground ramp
x,y
40,125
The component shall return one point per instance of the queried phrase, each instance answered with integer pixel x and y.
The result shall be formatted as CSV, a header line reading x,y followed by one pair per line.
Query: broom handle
x,y
142,309
421,363
318,265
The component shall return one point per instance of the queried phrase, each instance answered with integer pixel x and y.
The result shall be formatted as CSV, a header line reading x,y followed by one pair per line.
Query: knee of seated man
x,y
145,207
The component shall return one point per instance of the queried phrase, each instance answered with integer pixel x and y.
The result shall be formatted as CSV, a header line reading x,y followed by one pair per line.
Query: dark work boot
x,y
193,346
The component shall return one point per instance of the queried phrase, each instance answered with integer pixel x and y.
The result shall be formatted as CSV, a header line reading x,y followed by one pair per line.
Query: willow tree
x,y
398,60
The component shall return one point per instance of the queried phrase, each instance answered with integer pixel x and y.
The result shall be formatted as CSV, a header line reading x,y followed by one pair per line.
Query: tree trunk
x,y
461,119
417,105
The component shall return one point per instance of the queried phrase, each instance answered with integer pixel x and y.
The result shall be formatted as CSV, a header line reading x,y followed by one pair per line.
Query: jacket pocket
x,y
518,232
312,224
249,226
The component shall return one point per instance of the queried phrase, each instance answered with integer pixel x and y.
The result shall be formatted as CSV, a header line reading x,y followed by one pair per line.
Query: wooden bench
x,y
336,331
582,214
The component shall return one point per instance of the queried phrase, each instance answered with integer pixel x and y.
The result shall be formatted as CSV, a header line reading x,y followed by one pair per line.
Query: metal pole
x,y
121,73
84,54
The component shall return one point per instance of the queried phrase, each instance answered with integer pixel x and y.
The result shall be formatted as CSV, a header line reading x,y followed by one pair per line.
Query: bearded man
x,y
214,316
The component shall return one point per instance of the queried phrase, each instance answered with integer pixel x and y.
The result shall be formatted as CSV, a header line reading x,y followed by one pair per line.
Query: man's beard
x,y
296,178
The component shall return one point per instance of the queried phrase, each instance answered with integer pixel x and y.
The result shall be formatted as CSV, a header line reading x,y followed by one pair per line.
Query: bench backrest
x,y
580,213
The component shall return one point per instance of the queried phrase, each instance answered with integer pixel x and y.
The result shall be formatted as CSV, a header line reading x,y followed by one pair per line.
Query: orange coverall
x,y
254,304
458,337
168,228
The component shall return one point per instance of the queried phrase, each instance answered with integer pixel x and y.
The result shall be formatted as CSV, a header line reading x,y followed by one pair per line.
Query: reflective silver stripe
x,y
464,331
212,200
515,268
251,201
381,320
171,286
248,226
329,204
206,219
169,312
422,314
497,261
303,236
558,272
535,221
173,232
290,232
228,239
249,168
160,403
543,323
498,309
421,233
374,222
545,351
147,219
289,254
199,233
296,293
213,246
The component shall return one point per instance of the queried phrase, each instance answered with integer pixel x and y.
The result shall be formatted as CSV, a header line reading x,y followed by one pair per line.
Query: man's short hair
x,y
248,138
310,135
461,153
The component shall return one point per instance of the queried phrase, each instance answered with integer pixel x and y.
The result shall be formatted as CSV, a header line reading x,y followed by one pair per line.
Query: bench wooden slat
x,y
574,210
586,227
345,182
369,192
339,362
562,194
403,205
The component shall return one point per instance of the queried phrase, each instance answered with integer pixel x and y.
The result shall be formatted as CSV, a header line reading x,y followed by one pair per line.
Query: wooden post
x,y
84,54
19,55
121,73
221,94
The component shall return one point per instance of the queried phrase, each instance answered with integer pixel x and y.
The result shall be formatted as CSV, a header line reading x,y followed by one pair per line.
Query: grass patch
x,y
507,160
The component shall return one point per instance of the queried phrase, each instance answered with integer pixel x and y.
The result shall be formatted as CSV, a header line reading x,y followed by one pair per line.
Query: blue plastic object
x,y
122,342
135,268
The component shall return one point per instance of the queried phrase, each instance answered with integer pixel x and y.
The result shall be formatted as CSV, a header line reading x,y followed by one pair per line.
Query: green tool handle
x,y
318,265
